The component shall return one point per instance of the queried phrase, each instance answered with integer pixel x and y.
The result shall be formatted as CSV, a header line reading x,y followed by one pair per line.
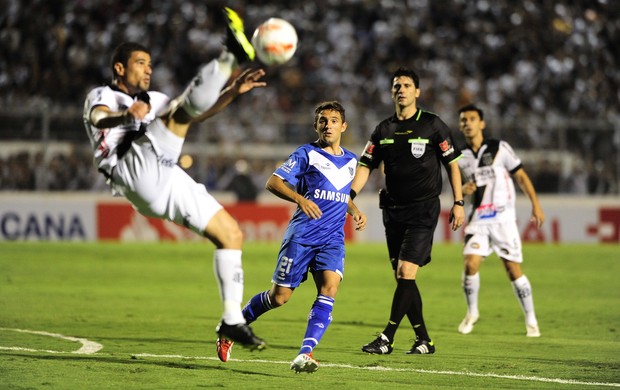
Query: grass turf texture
x,y
154,308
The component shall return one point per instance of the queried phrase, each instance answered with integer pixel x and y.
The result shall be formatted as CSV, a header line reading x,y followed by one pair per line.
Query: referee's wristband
x,y
459,203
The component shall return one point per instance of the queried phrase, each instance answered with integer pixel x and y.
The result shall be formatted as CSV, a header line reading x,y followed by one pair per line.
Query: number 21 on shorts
x,y
284,267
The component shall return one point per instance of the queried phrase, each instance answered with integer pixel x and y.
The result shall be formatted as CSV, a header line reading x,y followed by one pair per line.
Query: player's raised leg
x,y
237,42
204,90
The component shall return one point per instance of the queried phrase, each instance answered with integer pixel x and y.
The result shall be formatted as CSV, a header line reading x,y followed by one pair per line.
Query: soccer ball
x,y
275,41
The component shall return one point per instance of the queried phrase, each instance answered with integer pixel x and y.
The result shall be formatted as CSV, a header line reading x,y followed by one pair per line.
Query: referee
x,y
412,144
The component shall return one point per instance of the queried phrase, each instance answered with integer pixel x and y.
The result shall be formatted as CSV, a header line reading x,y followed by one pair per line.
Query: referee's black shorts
x,y
409,231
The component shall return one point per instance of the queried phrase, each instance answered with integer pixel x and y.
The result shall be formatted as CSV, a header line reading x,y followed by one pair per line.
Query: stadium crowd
x,y
545,71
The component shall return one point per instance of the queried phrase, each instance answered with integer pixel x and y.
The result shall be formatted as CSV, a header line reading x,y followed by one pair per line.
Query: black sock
x,y
415,314
406,291
411,316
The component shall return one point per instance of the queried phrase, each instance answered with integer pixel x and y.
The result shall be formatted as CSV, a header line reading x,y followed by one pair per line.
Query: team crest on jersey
x,y
418,147
487,159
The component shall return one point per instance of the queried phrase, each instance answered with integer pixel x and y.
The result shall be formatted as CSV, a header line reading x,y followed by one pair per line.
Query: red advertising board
x,y
92,217
119,221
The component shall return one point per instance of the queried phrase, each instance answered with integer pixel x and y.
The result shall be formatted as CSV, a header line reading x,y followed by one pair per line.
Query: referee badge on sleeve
x,y
418,146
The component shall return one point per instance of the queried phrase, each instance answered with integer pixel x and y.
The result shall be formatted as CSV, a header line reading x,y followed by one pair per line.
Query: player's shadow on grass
x,y
150,340
130,360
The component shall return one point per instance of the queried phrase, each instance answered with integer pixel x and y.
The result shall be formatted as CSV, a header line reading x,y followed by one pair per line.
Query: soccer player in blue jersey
x,y
321,173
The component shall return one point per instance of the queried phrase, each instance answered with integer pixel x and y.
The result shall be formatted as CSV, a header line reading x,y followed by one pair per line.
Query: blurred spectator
x,y
547,179
532,61
241,183
600,181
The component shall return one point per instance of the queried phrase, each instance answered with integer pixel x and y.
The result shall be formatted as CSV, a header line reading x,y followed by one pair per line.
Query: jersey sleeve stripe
x,y
456,159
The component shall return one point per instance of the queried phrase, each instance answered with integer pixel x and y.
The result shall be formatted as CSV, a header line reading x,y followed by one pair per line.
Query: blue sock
x,y
257,306
318,320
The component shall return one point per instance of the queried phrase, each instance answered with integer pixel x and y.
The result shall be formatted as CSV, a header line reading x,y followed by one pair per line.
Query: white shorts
x,y
149,177
502,238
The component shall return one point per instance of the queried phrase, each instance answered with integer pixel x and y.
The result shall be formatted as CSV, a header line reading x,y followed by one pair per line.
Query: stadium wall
x,y
98,217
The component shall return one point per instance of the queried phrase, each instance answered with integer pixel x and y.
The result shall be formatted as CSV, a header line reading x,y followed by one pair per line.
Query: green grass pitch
x,y
154,307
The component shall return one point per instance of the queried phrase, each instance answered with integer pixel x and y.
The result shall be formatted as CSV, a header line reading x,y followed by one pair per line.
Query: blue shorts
x,y
295,260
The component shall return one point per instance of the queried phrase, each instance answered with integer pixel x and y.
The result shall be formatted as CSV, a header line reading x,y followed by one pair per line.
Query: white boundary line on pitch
x,y
91,348
388,369
88,347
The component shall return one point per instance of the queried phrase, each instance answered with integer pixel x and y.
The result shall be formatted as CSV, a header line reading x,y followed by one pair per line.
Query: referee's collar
x,y
415,116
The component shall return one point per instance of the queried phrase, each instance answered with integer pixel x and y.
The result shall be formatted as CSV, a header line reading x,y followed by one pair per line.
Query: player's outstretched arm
x,y
245,82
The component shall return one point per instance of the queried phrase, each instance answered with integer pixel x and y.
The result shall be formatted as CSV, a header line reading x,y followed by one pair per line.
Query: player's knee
x,y
279,300
234,237
406,270
227,236
329,290
513,269
472,265
470,269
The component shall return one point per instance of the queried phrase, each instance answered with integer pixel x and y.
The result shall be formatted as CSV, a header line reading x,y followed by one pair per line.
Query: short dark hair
x,y
472,107
329,105
407,73
122,53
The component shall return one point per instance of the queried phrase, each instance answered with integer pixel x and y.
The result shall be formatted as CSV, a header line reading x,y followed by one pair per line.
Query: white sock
x,y
471,287
229,275
523,292
205,88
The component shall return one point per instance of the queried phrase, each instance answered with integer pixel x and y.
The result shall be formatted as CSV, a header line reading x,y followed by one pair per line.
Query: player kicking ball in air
x,y
487,165
137,136
321,173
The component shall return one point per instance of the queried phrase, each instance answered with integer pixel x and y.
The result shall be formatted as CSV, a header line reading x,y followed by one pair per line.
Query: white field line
x,y
392,369
91,347
88,347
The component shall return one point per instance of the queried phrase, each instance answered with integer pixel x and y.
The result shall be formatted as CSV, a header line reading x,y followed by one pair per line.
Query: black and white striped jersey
x,y
105,141
490,168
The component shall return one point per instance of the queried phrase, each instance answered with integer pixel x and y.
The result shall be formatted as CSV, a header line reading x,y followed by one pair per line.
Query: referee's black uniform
x,y
412,152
